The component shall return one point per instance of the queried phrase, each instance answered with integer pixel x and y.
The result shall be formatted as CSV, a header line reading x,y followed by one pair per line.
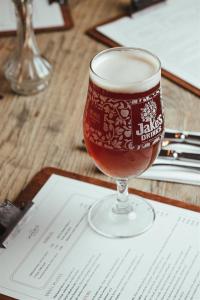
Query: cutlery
x,y
181,156
183,136
167,142
188,168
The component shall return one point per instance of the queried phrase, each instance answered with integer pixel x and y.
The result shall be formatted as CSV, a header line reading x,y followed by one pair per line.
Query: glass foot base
x,y
104,219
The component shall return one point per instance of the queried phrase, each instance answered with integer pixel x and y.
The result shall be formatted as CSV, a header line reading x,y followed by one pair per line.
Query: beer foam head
x,y
126,70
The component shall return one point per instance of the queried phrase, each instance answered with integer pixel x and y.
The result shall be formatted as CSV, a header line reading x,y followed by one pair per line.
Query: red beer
x,y
123,118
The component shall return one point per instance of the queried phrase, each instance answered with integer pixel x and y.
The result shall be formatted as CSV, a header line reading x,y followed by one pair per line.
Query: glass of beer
x,y
123,128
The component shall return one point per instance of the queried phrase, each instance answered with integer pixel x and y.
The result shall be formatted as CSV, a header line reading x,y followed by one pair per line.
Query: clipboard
x,y
24,199
67,18
94,33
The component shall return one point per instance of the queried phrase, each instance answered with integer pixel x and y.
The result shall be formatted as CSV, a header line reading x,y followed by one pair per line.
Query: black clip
x,y
10,215
61,2
141,4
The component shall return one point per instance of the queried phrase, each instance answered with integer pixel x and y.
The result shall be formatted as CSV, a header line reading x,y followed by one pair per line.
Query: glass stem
x,y
123,205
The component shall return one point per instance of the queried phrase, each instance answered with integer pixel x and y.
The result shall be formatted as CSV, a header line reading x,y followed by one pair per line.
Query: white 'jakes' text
x,y
147,131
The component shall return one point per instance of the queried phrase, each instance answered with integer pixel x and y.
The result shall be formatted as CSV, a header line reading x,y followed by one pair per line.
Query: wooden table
x,y
46,129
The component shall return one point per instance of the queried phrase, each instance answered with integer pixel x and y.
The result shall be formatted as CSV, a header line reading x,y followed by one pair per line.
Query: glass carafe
x,y
26,70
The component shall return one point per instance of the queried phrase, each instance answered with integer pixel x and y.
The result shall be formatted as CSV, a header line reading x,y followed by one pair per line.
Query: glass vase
x,y
26,70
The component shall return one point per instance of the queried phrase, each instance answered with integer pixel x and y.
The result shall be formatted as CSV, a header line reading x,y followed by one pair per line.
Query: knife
x,y
188,168
183,136
182,156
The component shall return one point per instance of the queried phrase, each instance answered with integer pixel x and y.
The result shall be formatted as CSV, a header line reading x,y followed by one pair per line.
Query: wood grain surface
x,y
46,129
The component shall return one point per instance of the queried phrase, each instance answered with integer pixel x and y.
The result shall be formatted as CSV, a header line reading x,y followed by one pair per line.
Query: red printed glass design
x,y
123,131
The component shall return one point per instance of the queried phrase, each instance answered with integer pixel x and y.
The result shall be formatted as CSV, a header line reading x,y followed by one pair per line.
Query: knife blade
x,y
182,156
176,165
183,136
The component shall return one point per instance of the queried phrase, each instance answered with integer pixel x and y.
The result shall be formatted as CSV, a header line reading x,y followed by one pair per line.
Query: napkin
x,y
174,173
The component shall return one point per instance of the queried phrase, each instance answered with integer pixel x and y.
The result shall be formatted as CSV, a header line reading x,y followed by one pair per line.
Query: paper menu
x,y
171,30
55,255
53,15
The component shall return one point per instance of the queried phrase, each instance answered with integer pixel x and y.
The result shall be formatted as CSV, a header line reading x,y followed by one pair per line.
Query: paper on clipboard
x,y
45,16
171,30
57,256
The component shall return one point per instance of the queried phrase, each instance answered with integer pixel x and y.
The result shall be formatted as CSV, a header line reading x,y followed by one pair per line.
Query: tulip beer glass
x,y
123,128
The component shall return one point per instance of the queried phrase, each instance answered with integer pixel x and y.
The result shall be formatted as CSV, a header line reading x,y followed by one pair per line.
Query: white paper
x,y
44,15
55,255
170,29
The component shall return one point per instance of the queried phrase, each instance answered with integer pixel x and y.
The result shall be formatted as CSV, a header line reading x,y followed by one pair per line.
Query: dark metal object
x,y
61,2
141,4
10,215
